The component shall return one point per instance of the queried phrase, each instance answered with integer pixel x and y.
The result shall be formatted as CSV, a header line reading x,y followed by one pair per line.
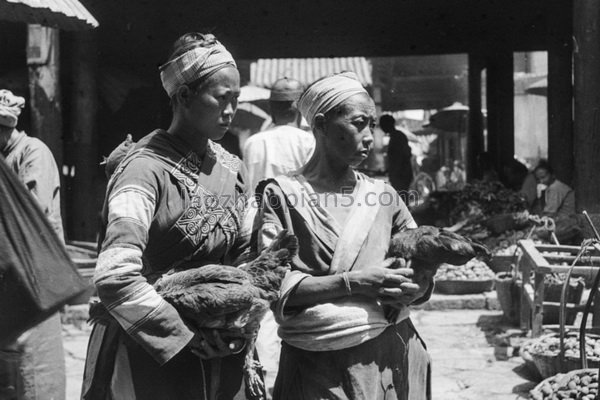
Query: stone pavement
x,y
471,359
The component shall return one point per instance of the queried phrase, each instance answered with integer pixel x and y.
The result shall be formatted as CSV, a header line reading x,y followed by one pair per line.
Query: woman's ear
x,y
182,95
319,123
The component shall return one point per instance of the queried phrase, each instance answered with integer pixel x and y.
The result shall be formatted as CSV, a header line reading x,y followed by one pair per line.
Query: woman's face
x,y
212,107
348,135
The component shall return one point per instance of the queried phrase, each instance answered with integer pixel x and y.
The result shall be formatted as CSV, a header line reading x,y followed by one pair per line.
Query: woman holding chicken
x,y
337,341
176,199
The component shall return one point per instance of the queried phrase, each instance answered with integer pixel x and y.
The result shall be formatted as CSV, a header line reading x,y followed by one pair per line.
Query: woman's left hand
x,y
408,292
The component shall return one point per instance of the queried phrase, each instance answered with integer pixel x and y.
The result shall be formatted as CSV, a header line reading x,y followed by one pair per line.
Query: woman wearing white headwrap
x,y
336,340
176,199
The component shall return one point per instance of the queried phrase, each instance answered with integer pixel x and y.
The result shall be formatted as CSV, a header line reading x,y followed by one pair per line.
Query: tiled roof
x,y
264,72
63,14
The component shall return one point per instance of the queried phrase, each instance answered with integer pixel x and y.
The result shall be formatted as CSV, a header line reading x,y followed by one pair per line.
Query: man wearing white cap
x,y
33,367
285,147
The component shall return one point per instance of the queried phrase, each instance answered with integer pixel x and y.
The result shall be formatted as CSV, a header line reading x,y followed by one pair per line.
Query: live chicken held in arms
x,y
232,300
429,247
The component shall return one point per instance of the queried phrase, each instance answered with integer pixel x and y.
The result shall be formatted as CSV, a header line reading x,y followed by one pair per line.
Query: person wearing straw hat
x,y
34,366
176,200
284,147
336,339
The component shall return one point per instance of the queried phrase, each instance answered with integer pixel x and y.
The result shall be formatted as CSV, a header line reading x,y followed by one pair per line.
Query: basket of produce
x,y
545,353
473,277
579,384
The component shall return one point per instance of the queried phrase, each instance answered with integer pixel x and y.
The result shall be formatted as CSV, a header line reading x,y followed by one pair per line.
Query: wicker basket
x,y
548,364
536,393
463,286
558,383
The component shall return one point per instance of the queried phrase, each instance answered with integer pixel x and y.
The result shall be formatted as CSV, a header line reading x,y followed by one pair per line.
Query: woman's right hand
x,y
209,344
390,278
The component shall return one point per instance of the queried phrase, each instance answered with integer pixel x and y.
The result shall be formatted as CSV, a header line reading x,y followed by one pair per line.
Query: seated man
x,y
554,197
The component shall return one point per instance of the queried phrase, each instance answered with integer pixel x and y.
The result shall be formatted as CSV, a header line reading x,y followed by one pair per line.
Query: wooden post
x,y
586,58
560,97
44,90
86,202
500,106
475,138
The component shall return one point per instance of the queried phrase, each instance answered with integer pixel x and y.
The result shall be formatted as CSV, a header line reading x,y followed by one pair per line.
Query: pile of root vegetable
x,y
579,384
550,345
473,270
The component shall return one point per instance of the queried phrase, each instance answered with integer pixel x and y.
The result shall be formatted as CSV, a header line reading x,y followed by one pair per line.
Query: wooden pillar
x,y
586,58
500,107
44,90
475,138
85,201
560,96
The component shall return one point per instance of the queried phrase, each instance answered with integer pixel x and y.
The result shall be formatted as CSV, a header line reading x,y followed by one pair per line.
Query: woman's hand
x,y
408,293
390,279
209,344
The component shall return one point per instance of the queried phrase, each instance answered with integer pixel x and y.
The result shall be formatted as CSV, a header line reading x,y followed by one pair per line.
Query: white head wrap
x,y
194,64
10,108
327,93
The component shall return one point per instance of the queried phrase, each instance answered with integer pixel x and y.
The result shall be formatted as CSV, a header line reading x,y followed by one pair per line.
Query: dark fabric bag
x,y
36,275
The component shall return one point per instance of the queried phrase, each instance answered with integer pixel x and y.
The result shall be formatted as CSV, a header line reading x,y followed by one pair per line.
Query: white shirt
x,y
277,151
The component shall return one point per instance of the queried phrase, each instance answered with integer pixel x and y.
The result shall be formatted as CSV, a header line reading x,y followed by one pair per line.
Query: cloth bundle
x,y
37,276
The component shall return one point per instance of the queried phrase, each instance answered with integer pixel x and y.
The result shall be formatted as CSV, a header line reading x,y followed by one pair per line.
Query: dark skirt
x,y
118,368
393,366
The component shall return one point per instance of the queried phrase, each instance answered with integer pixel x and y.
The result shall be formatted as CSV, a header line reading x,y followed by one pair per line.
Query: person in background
x,y
519,178
423,183
486,170
277,151
554,197
400,171
443,178
176,200
337,341
34,366
285,147
458,175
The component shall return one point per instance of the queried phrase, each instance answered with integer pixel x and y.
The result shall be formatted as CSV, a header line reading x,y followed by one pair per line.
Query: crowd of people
x,y
169,205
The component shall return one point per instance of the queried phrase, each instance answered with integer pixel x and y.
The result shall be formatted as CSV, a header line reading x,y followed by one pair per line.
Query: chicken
x,y
232,300
431,247
428,247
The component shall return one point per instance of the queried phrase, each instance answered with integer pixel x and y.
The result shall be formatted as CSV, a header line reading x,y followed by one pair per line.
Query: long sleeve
x,y
124,291
39,173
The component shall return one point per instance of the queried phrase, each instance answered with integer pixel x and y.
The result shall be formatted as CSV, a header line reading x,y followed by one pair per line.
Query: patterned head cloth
x,y
194,64
327,93
10,108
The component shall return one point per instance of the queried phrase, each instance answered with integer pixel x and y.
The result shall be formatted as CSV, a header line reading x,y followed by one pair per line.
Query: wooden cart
x,y
537,260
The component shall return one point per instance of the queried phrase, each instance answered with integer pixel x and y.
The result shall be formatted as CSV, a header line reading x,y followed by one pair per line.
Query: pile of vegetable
x,y
550,345
480,200
581,385
474,270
